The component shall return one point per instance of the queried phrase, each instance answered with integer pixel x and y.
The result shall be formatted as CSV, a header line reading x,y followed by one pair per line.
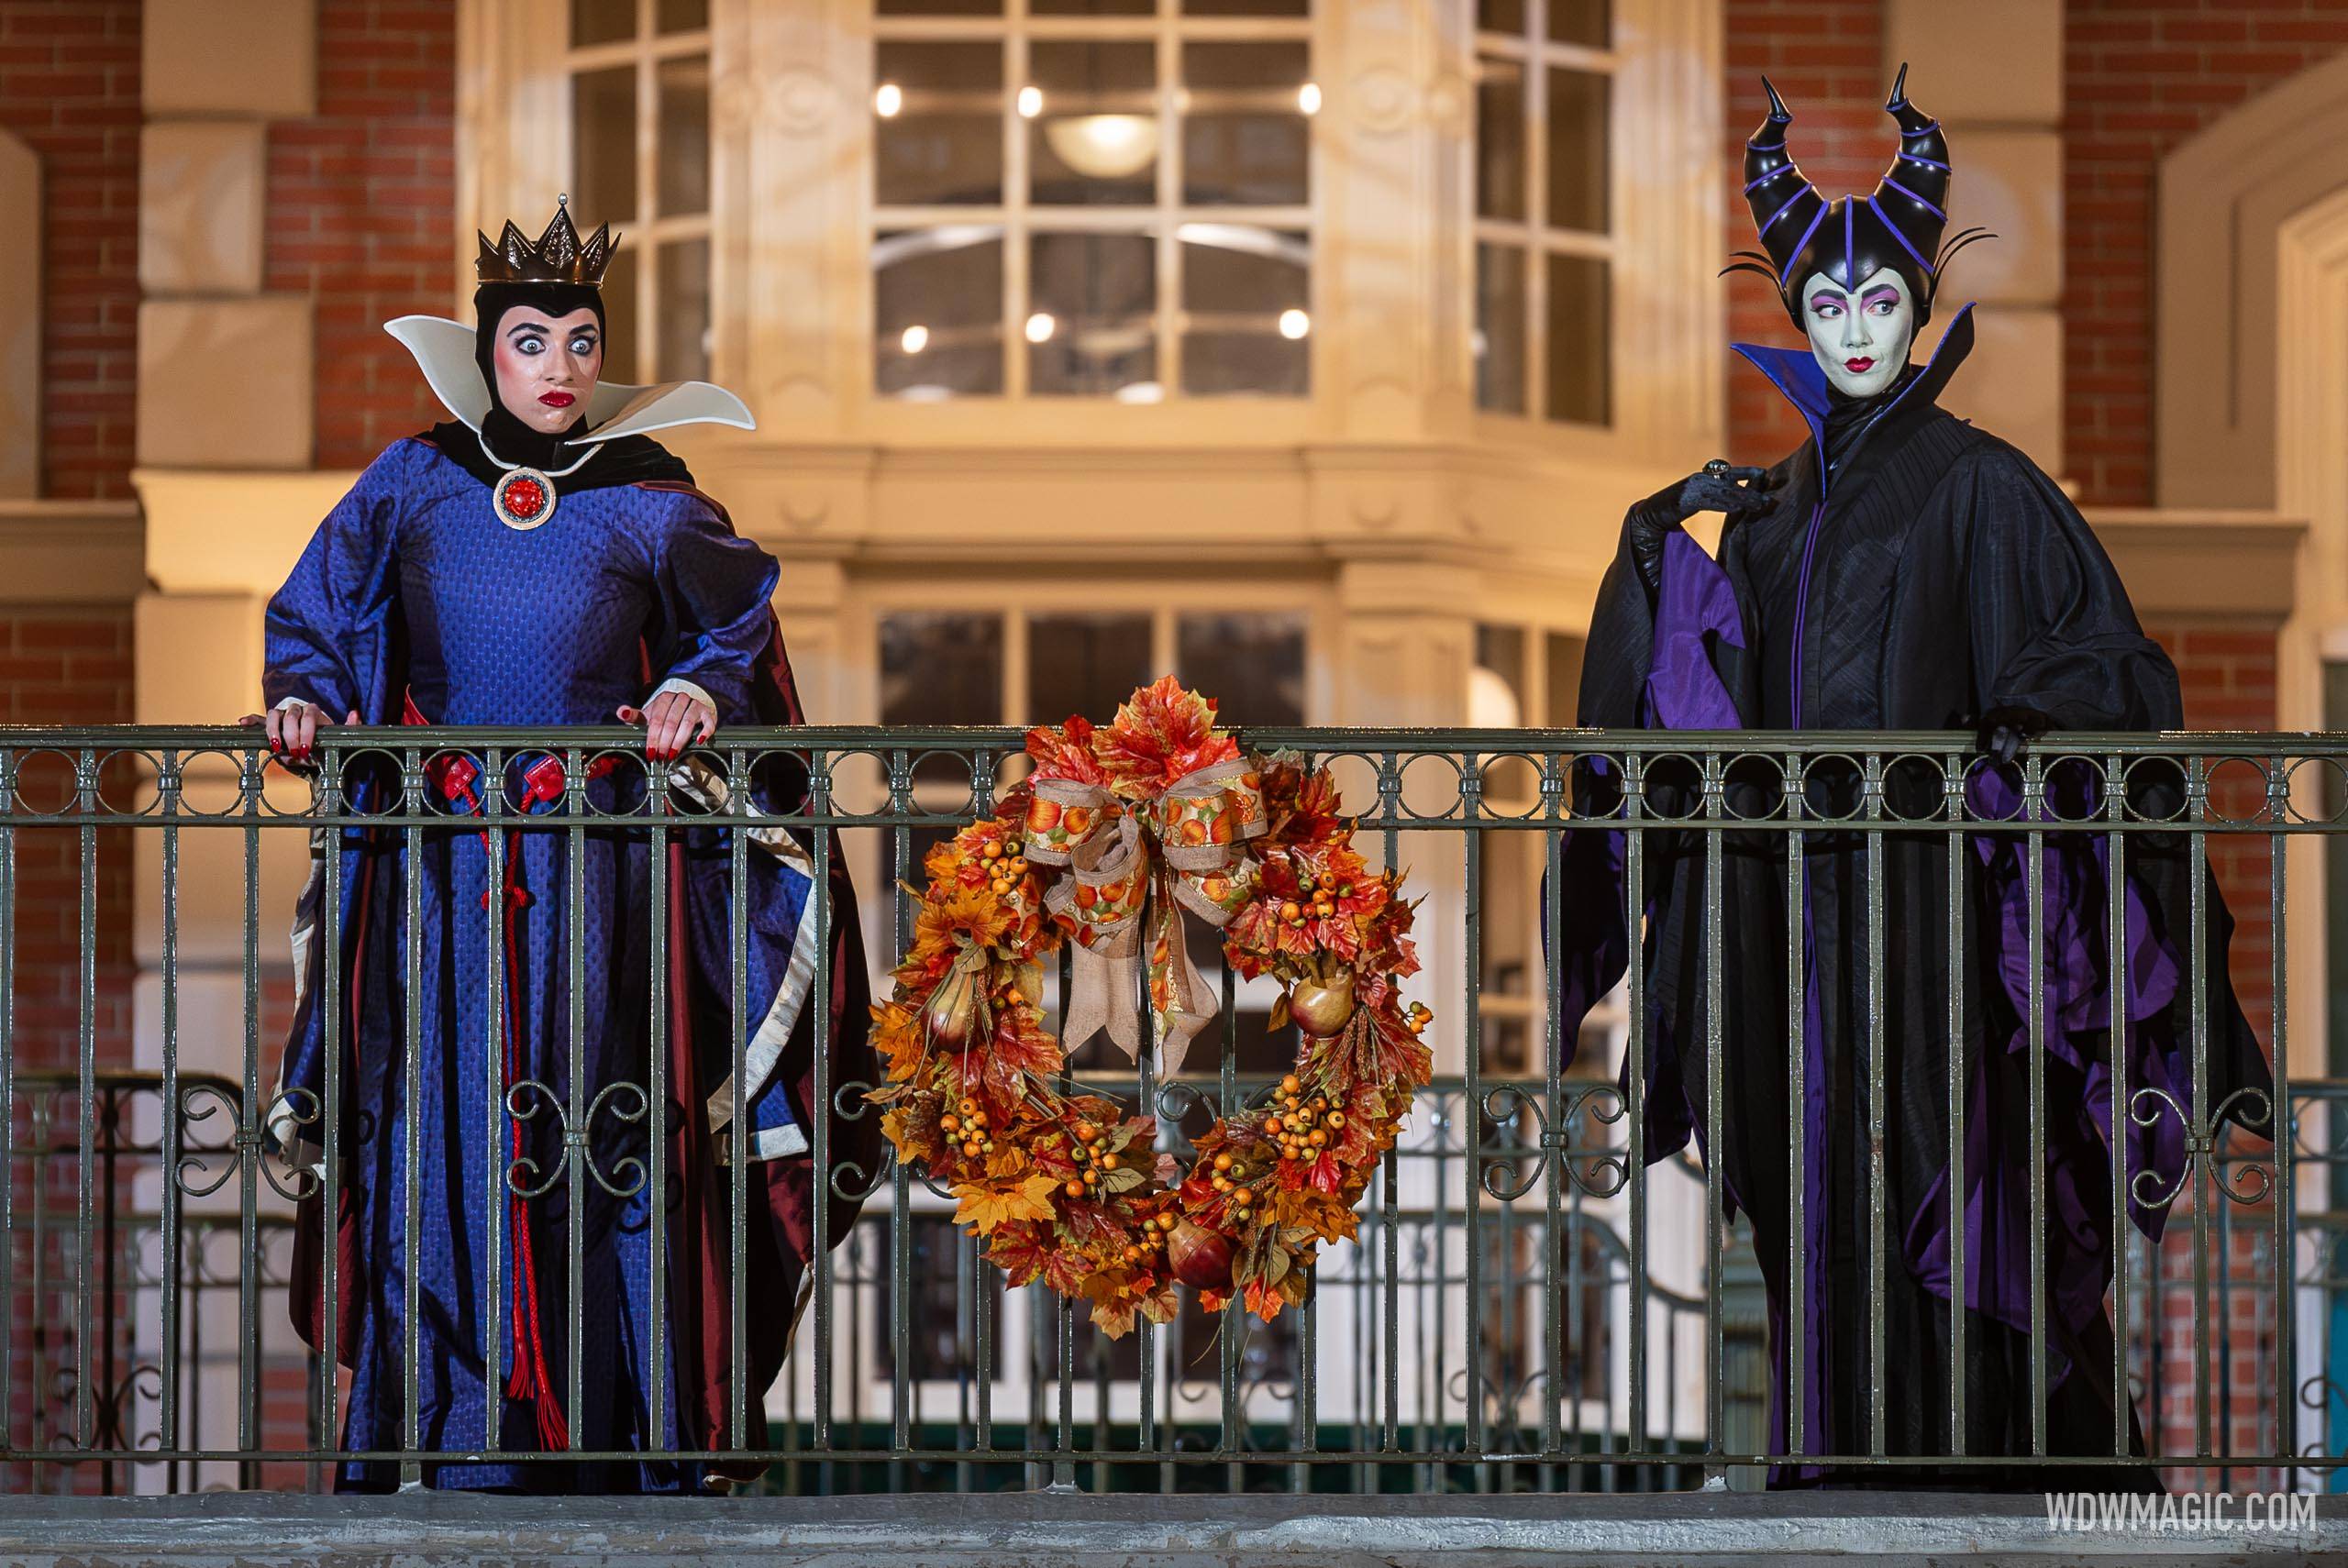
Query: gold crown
x,y
559,256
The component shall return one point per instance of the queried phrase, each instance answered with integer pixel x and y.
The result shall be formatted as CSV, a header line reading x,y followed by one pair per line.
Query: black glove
x,y
2003,731
1739,492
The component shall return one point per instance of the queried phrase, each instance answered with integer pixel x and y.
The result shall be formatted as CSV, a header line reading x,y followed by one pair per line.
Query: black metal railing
x,y
1530,1304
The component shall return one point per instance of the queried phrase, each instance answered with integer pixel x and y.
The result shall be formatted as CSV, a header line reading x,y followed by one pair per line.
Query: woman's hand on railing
x,y
672,721
2004,732
294,729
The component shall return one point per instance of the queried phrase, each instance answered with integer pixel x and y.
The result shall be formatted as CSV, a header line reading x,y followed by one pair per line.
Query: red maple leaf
x,y
1019,1248
1067,752
1162,733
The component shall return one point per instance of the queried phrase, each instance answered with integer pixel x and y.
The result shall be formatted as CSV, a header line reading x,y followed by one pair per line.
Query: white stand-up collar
x,y
444,352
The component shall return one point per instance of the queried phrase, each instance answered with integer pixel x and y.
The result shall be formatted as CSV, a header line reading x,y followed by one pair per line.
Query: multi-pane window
x,y
639,154
993,667
1102,198
1544,211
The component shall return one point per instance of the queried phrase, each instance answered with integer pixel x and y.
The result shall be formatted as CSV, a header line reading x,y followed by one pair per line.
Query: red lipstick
x,y
556,399
1858,367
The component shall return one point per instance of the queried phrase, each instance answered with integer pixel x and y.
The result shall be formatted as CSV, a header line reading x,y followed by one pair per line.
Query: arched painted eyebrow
x,y
1881,290
1830,296
542,328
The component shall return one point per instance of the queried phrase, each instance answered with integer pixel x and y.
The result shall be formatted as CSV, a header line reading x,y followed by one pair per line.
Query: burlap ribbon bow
x,y
1135,866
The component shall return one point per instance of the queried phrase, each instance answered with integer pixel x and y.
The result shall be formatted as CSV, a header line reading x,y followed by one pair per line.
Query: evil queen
x,y
1904,570
538,560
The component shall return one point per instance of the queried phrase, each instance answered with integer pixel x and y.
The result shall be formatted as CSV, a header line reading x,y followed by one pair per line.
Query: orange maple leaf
x,y
985,1207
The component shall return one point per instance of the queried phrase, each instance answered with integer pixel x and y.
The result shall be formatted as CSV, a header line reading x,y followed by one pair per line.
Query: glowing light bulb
x,y
1294,323
887,99
1308,98
1031,102
1040,326
915,338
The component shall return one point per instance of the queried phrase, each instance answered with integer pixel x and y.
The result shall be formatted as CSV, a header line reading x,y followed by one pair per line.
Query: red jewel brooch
x,y
523,499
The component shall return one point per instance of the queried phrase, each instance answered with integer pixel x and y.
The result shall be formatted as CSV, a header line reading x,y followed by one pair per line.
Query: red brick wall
x,y
69,88
361,207
2227,672
1826,58
58,666
2140,77
67,666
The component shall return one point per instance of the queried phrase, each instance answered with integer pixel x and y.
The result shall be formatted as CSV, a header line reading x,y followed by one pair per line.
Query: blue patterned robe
x,y
413,599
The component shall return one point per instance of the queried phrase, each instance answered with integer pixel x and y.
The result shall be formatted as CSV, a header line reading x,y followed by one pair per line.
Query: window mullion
x,y
648,173
1015,657
1536,211
1016,294
1170,200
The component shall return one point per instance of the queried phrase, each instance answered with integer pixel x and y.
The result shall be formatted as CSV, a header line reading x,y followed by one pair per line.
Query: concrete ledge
x,y
1015,1530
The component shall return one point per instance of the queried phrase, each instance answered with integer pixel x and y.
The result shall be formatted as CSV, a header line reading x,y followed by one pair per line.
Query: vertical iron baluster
x,y
1953,781
819,775
900,1258
1877,1111
577,1182
1064,1375
2034,901
1715,1035
1390,1193
737,1132
1471,964
167,1272
86,1196
2198,1130
412,1140
1227,1330
329,1112
496,1121
660,1433
248,1119
1635,980
1146,1344
2115,806
2278,1117
1797,1105
1556,1133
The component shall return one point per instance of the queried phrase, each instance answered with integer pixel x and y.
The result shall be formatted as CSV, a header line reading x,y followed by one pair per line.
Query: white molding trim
x,y
2225,199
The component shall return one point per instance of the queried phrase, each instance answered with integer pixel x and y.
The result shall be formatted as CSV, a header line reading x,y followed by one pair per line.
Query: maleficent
x,y
538,560
1902,570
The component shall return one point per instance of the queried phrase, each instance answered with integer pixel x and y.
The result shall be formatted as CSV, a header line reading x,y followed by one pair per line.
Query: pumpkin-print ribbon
x,y
1135,867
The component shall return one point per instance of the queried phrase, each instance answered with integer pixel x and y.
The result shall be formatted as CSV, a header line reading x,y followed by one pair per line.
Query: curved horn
x,y
1783,201
1920,171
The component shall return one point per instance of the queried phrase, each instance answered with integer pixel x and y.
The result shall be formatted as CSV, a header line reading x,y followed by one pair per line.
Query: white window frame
x,y
1534,236
1667,176
646,235
1019,219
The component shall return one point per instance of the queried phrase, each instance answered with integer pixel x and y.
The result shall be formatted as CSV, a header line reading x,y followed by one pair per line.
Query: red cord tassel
x,y
529,1379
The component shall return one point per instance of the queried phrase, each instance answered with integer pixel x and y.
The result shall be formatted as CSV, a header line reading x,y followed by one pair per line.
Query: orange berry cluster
x,y
1322,896
1004,865
1091,1159
967,1123
1304,1126
1154,1231
1230,1177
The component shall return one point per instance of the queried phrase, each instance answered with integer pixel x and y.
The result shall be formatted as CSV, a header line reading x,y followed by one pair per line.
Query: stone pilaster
x,y
1992,71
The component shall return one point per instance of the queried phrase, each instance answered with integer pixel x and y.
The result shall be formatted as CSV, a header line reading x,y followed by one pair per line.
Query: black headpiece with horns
x,y
1899,226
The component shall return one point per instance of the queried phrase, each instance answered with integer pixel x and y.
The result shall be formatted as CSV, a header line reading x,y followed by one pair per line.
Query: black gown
x,y
1926,575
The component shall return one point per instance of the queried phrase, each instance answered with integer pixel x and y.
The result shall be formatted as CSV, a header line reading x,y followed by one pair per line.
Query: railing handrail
x,y
1416,738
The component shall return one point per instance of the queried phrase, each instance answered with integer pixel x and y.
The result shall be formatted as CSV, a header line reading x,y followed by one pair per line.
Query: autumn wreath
x,y
1116,835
